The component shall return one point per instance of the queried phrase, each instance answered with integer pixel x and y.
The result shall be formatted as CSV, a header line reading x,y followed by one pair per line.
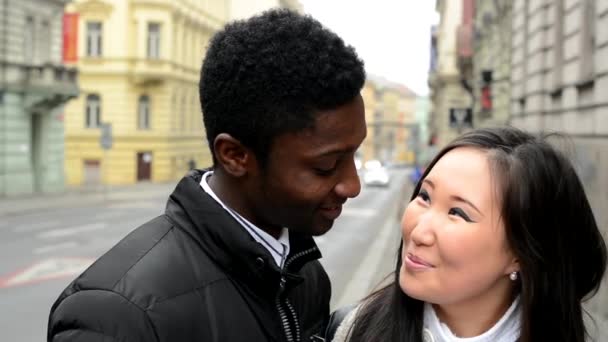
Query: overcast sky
x,y
391,36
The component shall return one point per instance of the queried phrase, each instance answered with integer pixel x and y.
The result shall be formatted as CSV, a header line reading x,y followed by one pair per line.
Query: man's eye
x,y
325,171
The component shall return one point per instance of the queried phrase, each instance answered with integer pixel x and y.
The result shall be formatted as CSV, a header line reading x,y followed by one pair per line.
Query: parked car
x,y
376,175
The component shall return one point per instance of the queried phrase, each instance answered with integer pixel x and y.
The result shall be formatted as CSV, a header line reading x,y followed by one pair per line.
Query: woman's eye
x,y
423,195
461,213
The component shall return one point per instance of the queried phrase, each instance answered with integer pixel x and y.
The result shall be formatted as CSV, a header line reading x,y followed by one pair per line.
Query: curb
x,y
73,199
374,266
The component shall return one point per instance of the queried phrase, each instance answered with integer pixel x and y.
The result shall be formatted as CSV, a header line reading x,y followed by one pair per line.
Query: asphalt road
x,y
42,250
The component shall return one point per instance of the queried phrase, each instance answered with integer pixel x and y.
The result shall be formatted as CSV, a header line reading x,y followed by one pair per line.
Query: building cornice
x,y
97,7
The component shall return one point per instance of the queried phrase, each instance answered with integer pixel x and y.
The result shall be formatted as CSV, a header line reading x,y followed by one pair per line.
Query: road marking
x,y
109,215
55,247
359,212
30,227
47,270
136,205
364,278
63,232
362,281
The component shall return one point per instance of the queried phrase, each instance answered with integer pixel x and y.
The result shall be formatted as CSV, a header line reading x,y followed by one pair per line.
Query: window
x,y
185,45
174,109
559,45
143,112
588,40
93,111
29,37
182,119
153,40
45,42
94,39
193,115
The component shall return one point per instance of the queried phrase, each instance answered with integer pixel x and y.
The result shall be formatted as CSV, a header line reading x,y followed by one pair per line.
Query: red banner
x,y
70,37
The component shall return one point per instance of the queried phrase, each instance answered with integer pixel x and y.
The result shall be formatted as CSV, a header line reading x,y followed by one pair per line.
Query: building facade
x,y
491,62
424,151
449,50
560,84
34,86
367,149
241,9
391,121
139,65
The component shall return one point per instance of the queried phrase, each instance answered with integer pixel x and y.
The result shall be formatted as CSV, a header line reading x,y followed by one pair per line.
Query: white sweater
x,y
507,329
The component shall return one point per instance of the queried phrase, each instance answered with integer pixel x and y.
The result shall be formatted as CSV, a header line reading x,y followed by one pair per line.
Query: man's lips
x,y
332,207
331,212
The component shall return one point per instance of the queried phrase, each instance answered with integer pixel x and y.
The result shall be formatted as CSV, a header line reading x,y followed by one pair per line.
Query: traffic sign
x,y
106,136
461,117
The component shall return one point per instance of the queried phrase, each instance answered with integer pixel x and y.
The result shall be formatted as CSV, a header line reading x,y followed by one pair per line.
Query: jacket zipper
x,y
299,255
295,318
289,334
283,314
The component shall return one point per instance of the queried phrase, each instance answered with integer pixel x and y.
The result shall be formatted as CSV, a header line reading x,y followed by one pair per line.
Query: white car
x,y
377,176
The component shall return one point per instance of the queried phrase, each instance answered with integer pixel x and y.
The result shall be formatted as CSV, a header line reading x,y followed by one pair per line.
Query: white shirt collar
x,y
507,329
278,248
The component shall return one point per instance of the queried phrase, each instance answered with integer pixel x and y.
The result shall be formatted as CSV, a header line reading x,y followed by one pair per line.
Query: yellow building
x,y
393,121
241,9
139,63
369,98
407,136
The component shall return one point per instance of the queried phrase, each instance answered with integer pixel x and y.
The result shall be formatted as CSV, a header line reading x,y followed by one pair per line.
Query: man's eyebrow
x,y
335,151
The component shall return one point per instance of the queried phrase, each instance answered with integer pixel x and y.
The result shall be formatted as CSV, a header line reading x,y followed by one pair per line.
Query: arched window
x,y
93,111
143,112
153,40
94,38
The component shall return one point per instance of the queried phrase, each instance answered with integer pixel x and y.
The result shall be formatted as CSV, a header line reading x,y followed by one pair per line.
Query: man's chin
x,y
321,228
317,228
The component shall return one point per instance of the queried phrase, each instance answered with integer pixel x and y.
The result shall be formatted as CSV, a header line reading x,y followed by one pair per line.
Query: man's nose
x,y
349,185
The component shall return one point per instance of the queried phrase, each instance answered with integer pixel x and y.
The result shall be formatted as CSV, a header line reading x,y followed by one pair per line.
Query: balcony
x,y
150,71
44,87
47,80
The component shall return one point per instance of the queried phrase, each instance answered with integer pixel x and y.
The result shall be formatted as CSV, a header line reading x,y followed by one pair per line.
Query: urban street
x,y
44,246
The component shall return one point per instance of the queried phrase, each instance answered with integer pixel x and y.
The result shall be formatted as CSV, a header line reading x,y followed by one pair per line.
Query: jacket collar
x,y
225,240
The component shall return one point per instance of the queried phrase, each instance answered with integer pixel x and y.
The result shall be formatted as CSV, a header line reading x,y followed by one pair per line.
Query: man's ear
x,y
232,155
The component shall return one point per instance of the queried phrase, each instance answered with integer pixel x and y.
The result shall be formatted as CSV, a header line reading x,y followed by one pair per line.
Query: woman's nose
x,y
422,232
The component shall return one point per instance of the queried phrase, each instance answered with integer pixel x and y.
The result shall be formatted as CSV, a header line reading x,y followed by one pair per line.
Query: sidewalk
x,y
81,196
378,264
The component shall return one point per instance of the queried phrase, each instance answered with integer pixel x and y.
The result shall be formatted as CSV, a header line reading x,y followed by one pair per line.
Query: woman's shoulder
x,y
340,323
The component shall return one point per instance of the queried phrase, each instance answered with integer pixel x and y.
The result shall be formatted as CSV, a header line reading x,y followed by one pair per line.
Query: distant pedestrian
x,y
416,174
499,244
233,257
191,164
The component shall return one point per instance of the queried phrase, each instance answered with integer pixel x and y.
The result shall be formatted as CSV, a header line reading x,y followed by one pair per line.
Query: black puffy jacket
x,y
194,274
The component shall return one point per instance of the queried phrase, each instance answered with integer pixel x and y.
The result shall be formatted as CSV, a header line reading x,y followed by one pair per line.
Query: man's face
x,y
310,174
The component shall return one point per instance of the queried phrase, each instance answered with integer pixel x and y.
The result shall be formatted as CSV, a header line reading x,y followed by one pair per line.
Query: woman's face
x,y
454,245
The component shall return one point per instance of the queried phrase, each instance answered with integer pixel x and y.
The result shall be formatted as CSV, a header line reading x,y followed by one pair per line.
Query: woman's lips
x,y
416,263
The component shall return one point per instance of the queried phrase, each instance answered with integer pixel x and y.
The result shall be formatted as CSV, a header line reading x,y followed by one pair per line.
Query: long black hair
x,y
550,227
